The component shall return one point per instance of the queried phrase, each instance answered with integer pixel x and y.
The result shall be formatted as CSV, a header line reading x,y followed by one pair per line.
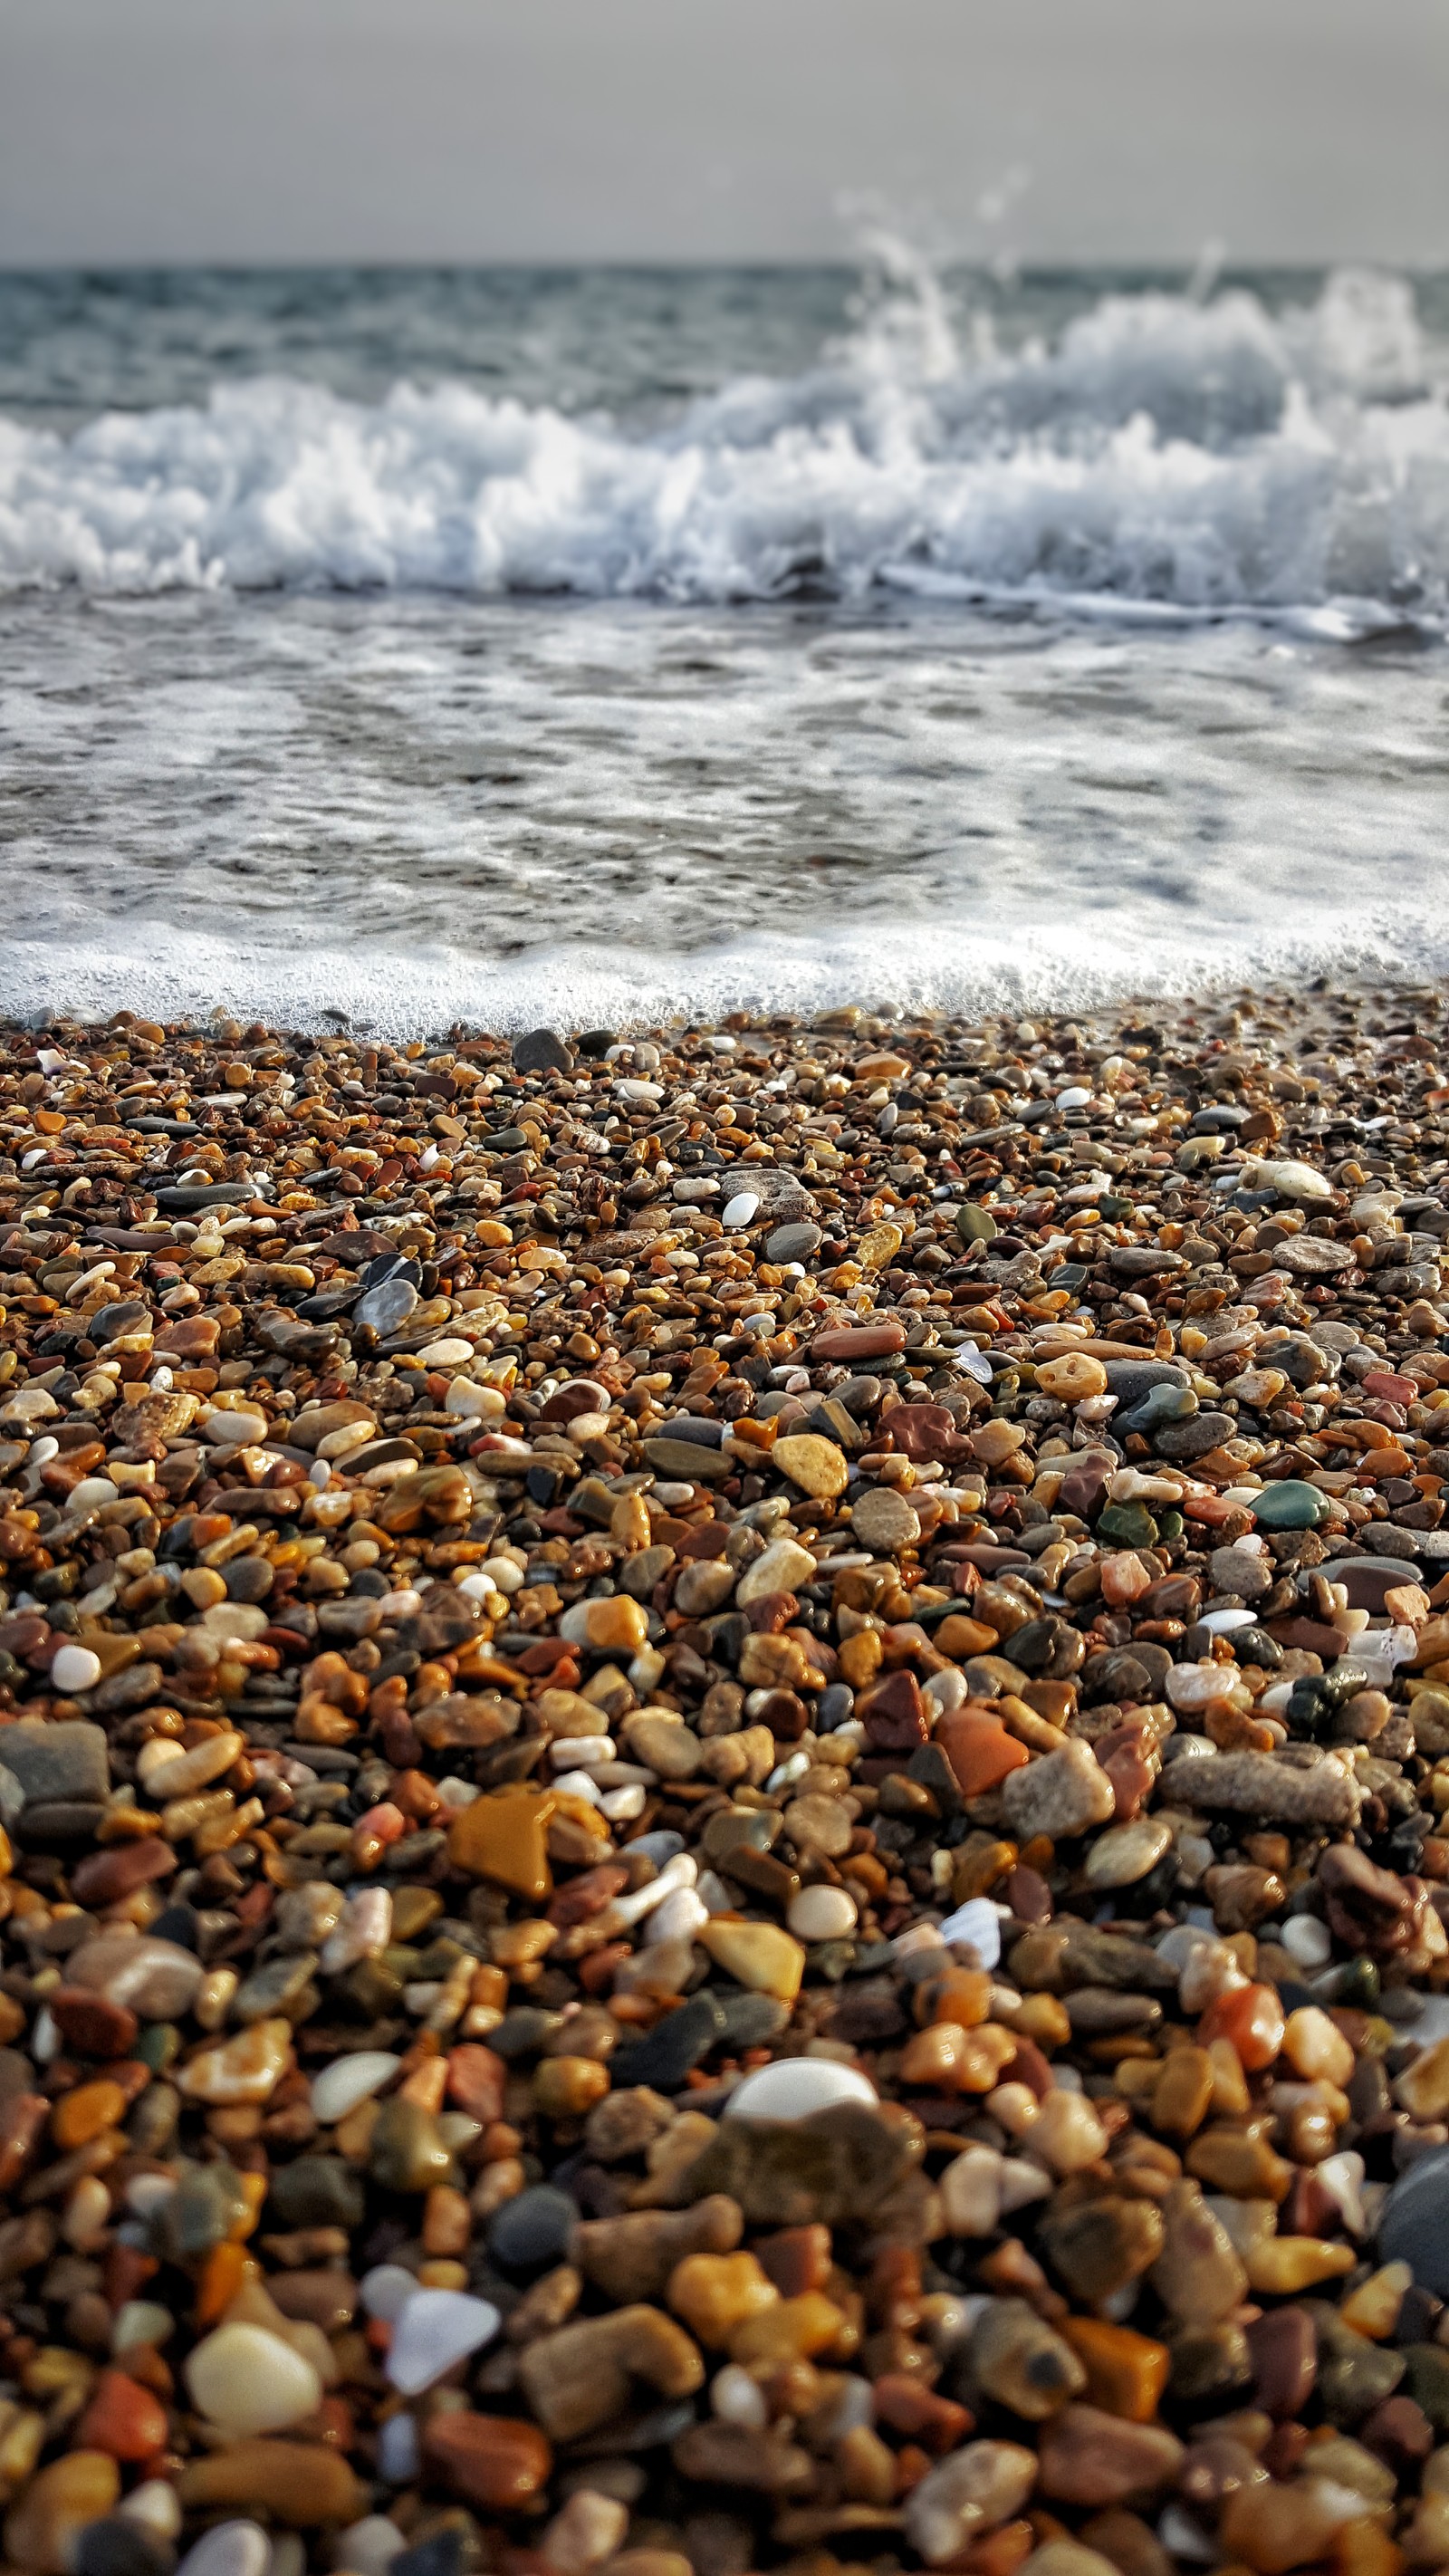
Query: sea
x,y
396,648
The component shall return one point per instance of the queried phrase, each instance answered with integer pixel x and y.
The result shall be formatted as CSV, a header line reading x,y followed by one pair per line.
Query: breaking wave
x,y
1163,454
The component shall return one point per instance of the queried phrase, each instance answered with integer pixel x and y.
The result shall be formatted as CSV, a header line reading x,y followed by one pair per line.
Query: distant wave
x,y
1163,454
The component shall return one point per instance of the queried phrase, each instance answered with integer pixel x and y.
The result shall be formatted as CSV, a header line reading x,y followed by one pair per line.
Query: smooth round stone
x,y
978,1922
1126,1853
369,2547
386,2290
794,2087
154,1979
247,2381
433,2331
1290,1504
387,1305
741,1210
535,2229
350,2080
75,1668
1414,2228
822,1914
793,1243
228,2549
1307,1940
884,1521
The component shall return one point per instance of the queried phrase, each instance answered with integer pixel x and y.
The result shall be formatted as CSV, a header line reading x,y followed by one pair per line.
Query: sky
x,y
277,130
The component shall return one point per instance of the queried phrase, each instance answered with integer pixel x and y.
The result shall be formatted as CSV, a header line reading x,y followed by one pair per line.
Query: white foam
x,y
909,968
1196,457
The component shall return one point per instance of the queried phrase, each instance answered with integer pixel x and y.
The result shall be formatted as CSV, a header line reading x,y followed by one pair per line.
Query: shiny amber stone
x,y
1251,2020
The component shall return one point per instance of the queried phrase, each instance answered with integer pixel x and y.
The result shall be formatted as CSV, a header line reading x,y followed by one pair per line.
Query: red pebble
x,y
90,2025
936,2422
476,2081
122,2418
104,1877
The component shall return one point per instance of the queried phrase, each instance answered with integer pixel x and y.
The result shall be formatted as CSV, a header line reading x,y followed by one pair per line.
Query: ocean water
x,y
604,646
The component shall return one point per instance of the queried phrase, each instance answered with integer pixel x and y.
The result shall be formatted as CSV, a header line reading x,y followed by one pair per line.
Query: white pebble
x,y
432,2331
368,2547
246,2381
350,2080
155,2506
740,1210
228,2549
795,2086
736,2398
678,1918
1307,1940
945,1691
978,1922
822,1914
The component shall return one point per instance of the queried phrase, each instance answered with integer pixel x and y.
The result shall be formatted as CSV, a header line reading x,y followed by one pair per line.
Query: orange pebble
x,y
87,2112
1251,2020
223,2273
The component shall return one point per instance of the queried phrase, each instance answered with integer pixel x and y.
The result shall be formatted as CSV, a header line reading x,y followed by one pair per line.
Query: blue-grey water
x,y
605,645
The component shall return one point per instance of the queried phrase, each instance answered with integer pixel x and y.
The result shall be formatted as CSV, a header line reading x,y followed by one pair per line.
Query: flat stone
x,y
432,2332
1059,1794
542,1051
67,1760
793,1243
154,1979
1289,1504
884,1521
812,1463
504,1837
1127,1852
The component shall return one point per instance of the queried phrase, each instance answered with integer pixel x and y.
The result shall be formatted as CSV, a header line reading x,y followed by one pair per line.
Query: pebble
x,y
822,1914
434,2330
994,1798
350,2080
796,2088
228,2549
244,2380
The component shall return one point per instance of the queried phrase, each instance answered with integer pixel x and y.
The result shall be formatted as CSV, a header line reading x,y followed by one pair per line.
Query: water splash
x,y
1189,453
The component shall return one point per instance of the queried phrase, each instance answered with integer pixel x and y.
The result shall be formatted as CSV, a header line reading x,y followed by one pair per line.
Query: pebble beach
x,y
721,1760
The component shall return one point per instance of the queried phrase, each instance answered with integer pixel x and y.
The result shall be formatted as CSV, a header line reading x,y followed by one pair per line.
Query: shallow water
x,y
669,644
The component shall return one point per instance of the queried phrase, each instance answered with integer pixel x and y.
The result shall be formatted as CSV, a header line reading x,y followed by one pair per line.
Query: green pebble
x,y
1129,1524
1289,1505
1170,1525
974,1225
158,2046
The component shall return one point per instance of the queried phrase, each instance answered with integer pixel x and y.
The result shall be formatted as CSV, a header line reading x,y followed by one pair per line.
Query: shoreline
x,y
719,1778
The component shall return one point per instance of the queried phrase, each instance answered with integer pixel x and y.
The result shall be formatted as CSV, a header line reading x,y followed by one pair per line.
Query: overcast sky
x,y
715,129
